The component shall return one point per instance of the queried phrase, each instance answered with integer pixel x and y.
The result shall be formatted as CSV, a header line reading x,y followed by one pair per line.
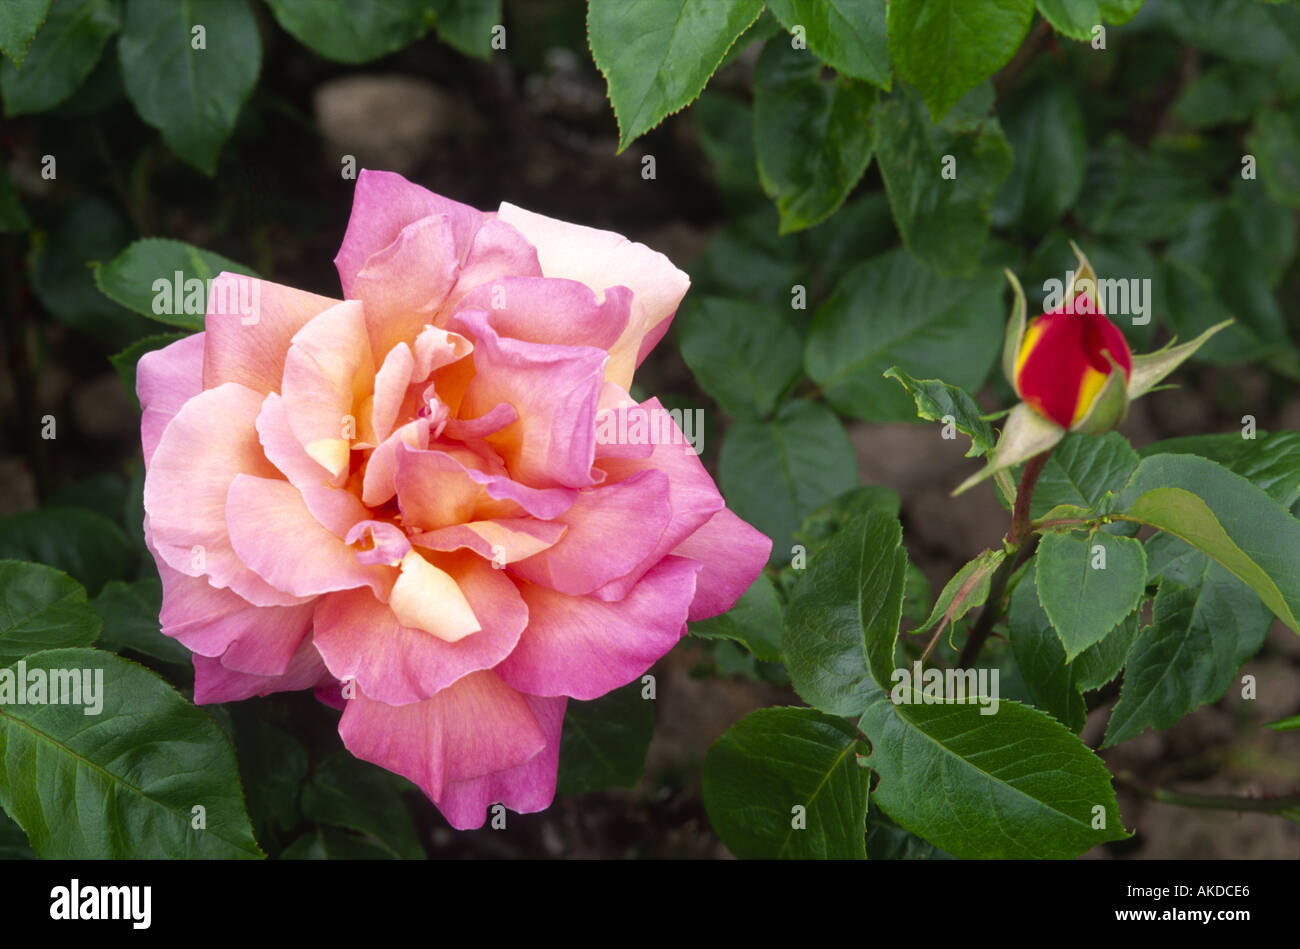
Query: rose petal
x,y
328,370
525,789
217,683
731,554
583,647
553,388
273,532
382,204
476,726
603,259
361,639
166,379
252,354
211,440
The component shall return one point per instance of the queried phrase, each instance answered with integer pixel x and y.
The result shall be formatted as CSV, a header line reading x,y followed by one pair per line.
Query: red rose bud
x,y
1066,358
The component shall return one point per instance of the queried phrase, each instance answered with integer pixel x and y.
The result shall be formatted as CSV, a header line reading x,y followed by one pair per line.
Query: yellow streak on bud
x,y
1089,388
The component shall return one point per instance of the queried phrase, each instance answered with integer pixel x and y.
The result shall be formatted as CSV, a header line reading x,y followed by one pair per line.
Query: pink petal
x,y
273,532
603,259
252,354
583,647
497,251
166,379
259,640
211,440
525,789
435,348
383,542
404,285
361,639
476,726
328,369
553,388
438,488
732,553
503,541
391,382
335,508
692,495
552,310
216,683
380,480
611,531
384,203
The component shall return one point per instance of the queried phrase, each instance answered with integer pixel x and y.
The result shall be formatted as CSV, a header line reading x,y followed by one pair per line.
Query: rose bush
x,y
399,498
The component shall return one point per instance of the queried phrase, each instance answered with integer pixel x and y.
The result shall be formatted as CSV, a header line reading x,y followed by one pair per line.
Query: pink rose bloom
x,y
400,498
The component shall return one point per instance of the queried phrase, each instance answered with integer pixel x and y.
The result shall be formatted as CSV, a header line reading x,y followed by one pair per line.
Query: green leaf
x,y
41,608
1088,584
941,179
892,312
13,218
349,32
1206,624
130,615
850,595
1073,18
131,776
1271,462
65,52
938,401
849,35
125,362
887,841
331,843
968,588
19,21
13,842
1045,129
273,766
1081,470
657,55
813,136
1015,783
1225,92
1137,195
1099,664
191,95
87,546
947,47
604,741
467,25
130,277
754,622
1276,144
1285,724
743,354
88,231
725,128
828,520
1120,12
776,473
1221,270
1225,516
774,761
347,792
1041,658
